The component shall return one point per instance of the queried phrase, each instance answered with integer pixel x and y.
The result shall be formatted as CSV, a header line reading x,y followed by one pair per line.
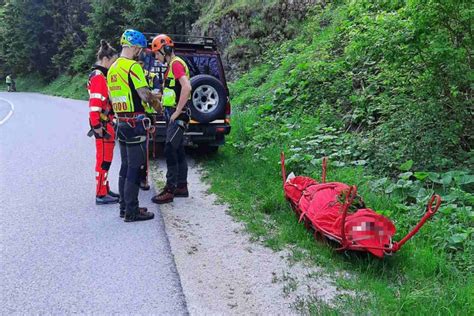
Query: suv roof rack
x,y
188,41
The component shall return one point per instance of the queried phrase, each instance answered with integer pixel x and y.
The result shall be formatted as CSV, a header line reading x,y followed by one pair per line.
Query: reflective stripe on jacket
x,y
99,105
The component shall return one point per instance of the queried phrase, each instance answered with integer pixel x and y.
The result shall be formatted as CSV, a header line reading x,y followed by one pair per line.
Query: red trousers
x,y
104,155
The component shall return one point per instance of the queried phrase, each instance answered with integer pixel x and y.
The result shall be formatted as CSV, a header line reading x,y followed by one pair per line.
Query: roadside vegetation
x,y
64,86
214,10
385,91
50,46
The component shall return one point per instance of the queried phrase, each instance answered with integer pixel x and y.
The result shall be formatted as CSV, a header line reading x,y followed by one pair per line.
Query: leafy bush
x,y
365,85
453,228
393,75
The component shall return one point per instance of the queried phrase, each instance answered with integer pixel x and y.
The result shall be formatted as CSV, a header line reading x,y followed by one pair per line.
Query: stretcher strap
x,y
311,194
351,194
323,176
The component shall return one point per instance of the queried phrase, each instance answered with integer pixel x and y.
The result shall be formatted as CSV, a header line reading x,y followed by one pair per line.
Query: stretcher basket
x,y
324,209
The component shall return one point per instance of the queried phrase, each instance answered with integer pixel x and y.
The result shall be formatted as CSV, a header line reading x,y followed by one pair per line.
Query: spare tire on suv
x,y
208,99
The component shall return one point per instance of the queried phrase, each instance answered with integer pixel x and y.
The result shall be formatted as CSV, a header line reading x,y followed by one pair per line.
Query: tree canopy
x,y
50,38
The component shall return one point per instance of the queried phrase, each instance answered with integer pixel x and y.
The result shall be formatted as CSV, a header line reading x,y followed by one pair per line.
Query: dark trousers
x,y
177,173
144,168
133,154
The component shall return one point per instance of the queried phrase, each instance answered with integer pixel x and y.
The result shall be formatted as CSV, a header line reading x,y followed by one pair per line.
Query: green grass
x,y
422,278
69,87
63,86
31,83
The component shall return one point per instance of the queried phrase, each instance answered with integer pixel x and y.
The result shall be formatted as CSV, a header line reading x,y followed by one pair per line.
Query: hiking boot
x,y
140,216
113,194
106,199
140,209
181,190
144,186
165,196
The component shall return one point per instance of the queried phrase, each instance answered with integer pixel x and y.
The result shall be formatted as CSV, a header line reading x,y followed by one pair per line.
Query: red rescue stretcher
x,y
325,209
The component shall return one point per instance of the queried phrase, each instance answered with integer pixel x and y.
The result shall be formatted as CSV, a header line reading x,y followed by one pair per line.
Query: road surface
x,y
60,253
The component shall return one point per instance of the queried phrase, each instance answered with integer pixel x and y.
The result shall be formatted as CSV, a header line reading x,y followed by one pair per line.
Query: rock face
x,y
242,33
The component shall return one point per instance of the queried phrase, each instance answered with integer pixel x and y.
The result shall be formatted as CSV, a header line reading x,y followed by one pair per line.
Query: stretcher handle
x,y
351,194
325,163
435,198
430,211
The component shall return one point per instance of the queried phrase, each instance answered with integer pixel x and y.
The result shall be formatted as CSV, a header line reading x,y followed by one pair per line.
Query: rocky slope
x,y
243,30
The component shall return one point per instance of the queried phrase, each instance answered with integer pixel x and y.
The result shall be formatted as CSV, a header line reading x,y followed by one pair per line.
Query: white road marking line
x,y
9,113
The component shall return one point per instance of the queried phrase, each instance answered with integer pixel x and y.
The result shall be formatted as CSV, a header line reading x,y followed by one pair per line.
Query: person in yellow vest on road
x,y
176,93
10,83
128,88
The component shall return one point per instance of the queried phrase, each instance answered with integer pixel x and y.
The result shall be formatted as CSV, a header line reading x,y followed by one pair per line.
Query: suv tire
x,y
208,99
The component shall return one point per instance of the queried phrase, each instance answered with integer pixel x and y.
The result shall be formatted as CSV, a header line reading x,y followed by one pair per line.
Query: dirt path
x,y
222,271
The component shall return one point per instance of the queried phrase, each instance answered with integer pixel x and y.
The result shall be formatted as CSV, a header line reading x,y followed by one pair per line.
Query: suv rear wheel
x,y
208,99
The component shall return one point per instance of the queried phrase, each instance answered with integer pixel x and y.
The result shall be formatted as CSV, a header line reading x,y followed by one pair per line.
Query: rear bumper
x,y
212,133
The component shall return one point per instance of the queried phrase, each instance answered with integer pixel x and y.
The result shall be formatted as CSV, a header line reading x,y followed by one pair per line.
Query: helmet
x,y
133,38
160,41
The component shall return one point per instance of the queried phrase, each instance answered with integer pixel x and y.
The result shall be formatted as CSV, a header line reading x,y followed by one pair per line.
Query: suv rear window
x,y
203,65
198,65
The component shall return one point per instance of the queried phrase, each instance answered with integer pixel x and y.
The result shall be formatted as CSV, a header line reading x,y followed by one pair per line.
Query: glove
x,y
157,106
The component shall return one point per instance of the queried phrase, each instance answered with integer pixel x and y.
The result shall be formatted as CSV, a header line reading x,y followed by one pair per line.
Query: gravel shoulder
x,y
222,271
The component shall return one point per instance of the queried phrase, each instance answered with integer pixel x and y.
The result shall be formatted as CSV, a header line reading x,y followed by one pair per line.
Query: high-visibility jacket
x,y
124,78
8,79
100,109
172,90
151,76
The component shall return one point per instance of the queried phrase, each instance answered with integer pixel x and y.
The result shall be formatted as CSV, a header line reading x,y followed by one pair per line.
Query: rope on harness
x,y
146,122
131,121
147,127
152,133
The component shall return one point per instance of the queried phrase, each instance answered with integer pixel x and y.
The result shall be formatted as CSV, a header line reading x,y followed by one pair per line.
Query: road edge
x,y
10,113
174,268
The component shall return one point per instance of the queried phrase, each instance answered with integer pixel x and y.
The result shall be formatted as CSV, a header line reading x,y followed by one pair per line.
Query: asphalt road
x,y
60,253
